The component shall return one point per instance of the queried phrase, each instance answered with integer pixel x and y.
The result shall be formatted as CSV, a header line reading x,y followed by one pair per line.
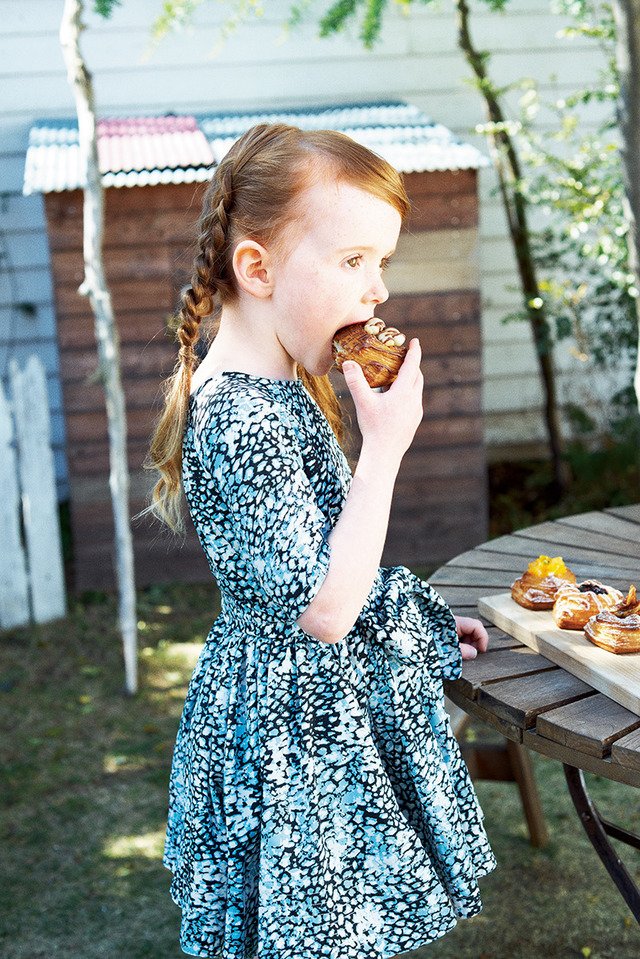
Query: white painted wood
x,y
14,589
29,285
38,487
21,213
30,249
41,326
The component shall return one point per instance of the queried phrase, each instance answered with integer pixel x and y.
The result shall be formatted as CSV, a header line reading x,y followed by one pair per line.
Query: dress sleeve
x,y
279,531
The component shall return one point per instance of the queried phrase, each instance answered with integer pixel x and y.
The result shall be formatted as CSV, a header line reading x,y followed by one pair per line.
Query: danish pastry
x,y
617,629
377,348
576,603
538,585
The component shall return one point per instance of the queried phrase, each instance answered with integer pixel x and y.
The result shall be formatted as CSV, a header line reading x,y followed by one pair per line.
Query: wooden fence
x,y
31,566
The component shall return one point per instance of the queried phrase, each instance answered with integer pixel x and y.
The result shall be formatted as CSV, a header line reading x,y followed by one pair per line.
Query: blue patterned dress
x,y
319,806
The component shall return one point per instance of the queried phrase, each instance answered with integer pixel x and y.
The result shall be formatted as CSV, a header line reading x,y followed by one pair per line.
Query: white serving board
x,y
617,675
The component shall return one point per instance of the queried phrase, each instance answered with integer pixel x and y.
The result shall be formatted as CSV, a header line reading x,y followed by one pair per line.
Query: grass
x,y
84,773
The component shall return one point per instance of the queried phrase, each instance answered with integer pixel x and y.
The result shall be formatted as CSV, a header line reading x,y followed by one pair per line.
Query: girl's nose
x,y
378,293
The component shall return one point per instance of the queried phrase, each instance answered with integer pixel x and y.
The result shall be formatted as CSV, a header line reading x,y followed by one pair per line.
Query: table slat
x,y
592,764
631,513
463,595
604,523
627,750
502,664
532,547
569,537
498,639
589,725
456,695
468,577
480,558
521,700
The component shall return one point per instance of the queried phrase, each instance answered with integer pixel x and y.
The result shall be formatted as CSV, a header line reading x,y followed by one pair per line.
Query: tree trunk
x,y
627,14
507,165
95,287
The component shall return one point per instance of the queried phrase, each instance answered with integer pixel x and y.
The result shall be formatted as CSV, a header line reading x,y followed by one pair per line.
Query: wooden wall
x,y
417,60
440,505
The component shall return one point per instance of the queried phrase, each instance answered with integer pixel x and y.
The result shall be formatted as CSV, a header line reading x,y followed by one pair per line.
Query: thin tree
x,y
95,287
627,15
506,162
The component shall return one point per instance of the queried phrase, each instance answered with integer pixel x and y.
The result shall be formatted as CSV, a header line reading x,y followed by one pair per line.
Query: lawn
x,y
84,772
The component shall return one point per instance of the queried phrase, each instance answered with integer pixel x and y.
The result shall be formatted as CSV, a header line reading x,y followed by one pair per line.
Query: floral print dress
x,y
319,806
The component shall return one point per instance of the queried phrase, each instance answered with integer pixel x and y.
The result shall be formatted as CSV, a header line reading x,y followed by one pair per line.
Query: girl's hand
x,y
389,419
473,636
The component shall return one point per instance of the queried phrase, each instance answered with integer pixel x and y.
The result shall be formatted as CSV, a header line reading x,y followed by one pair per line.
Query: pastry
x,y
617,629
538,585
377,348
576,603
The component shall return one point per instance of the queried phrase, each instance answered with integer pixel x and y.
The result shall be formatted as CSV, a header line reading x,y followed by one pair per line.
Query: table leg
x,y
598,830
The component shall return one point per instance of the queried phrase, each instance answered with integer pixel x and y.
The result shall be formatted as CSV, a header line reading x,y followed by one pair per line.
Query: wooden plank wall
x,y
440,506
146,234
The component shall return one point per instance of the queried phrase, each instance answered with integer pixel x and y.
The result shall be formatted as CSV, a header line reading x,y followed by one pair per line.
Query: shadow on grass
x,y
84,800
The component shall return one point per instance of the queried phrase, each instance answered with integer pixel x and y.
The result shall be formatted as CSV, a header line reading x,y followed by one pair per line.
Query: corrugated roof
x,y
399,132
132,151
141,151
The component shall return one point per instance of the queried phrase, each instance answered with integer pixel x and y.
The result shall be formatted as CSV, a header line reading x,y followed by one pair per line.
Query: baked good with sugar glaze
x,y
576,603
377,348
538,585
617,629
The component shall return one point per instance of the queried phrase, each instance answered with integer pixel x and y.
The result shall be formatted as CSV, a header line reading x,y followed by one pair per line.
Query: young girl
x,y
319,804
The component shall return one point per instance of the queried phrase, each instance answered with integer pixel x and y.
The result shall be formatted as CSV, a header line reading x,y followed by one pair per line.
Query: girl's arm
x,y
388,422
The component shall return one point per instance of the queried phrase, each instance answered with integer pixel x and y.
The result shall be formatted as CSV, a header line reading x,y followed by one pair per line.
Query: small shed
x,y
154,171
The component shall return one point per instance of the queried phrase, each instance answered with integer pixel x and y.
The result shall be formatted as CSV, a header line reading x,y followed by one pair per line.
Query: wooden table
x,y
534,703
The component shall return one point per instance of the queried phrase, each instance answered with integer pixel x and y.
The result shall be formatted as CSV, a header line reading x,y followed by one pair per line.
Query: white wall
x,y
417,61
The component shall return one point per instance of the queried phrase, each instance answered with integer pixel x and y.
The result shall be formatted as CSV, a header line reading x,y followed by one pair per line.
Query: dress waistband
x,y
254,617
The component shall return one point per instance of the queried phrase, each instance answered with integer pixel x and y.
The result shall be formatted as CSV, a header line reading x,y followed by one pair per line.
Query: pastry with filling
x,y
576,603
377,348
538,585
617,629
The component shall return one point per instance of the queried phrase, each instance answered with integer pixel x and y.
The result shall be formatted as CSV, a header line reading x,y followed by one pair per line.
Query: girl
x,y
319,805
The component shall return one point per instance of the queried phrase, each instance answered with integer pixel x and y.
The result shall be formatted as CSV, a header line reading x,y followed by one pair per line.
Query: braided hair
x,y
253,194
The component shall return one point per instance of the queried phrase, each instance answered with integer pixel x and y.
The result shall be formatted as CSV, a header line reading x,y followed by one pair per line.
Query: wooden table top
x,y
521,693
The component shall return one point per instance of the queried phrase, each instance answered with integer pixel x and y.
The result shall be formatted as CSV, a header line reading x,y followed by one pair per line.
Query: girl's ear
x,y
253,268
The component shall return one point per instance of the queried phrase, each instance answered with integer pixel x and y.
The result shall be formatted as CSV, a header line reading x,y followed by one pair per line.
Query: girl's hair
x,y
254,194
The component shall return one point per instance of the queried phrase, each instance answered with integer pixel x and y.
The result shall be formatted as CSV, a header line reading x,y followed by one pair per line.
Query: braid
x,y
210,277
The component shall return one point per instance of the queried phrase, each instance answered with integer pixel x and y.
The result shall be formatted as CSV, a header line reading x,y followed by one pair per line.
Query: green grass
x,y
84,772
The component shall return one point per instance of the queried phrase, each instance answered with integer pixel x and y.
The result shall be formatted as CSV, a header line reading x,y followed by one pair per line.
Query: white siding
x,y
417,60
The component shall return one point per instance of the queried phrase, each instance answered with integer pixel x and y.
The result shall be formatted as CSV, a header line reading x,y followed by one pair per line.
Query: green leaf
x,y
336,16
105,7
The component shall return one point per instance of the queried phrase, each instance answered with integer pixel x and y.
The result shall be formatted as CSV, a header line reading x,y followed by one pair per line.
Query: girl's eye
x,y
353,261
385,263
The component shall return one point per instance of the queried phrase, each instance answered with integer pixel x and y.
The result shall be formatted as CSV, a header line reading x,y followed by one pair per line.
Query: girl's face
x,y
331,274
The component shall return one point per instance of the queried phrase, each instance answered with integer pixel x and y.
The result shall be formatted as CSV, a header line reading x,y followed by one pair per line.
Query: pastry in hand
x,y
576,603
617,629
538,585
377,348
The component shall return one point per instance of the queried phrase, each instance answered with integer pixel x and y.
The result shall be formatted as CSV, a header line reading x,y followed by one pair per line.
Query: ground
x,y
84,772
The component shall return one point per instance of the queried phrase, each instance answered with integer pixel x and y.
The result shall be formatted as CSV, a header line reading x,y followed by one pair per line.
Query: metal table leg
x,y
598,830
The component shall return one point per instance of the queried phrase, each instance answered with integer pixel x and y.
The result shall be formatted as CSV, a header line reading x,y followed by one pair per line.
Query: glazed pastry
x,y
377,348
538,585
576,603
617,629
